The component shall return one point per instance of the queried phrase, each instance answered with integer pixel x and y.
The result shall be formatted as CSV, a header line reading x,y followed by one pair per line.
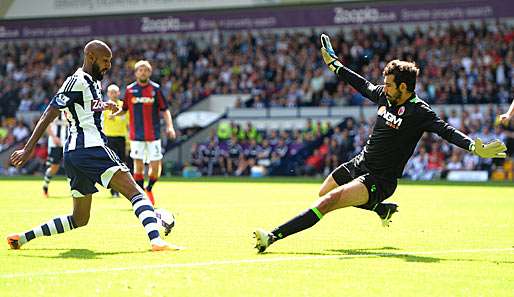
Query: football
x,y
165,219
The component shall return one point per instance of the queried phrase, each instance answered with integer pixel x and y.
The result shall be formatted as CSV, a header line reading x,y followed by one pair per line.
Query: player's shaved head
x,y
97,48
97,58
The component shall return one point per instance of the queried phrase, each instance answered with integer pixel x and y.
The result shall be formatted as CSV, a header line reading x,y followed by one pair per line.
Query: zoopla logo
x,y
362,15
344,16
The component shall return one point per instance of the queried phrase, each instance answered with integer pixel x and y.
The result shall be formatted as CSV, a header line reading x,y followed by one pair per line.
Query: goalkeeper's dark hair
x,y
404,72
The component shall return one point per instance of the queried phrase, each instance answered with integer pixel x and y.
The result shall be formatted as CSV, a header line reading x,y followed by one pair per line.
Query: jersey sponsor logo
x,y
391,120
96,105
144,100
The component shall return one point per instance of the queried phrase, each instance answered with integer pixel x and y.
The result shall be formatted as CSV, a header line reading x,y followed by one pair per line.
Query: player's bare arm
x,y
19,157
170,130
119,112
505,117
112,106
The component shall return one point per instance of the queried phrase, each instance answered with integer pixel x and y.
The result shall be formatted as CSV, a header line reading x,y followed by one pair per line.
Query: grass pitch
x,y
446,241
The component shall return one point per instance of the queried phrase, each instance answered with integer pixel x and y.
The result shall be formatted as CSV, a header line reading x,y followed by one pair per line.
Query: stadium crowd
x,y
248,148
459,65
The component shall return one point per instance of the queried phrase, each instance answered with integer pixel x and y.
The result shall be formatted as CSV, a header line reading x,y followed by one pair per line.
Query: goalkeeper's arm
x,y
492,149
362,85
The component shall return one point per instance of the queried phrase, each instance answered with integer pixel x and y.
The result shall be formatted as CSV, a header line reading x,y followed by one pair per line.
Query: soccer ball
x,y
165,219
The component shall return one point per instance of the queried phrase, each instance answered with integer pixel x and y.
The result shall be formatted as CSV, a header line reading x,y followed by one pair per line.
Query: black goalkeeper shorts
x,y
379,189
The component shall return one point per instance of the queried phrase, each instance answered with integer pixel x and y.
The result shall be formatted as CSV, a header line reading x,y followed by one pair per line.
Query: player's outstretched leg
x,y
350,194
57,225
384,210
143,209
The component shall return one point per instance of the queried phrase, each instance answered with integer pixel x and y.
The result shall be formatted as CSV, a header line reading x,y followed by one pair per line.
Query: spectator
x,y
313,163
435,161
455,162
417,167
20,132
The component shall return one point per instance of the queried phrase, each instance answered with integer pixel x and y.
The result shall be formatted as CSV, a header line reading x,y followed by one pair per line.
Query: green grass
x,y
446,241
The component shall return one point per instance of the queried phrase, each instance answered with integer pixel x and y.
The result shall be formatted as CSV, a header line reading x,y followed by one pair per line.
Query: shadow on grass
x,y
383,253
369,253
59,197
81,254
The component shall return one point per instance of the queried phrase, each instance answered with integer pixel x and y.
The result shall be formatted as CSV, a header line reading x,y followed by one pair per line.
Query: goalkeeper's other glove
x,y
493,149
328,54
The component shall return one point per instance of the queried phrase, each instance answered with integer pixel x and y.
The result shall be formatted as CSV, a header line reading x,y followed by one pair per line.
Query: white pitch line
x,y
249,261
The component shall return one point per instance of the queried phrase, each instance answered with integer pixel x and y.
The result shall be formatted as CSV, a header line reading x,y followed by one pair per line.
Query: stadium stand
x,y
459,65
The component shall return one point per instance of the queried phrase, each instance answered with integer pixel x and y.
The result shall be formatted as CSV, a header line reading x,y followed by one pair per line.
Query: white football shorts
x,y
146,150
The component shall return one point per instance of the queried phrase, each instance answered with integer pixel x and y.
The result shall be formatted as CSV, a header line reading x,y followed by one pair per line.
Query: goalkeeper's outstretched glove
x,y
493,149
328,54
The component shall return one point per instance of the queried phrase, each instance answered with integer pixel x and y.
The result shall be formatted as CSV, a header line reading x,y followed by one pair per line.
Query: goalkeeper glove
x,y
493,149
328,54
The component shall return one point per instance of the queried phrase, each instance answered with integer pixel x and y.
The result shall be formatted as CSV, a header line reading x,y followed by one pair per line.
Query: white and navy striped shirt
x,y
81,98
60,129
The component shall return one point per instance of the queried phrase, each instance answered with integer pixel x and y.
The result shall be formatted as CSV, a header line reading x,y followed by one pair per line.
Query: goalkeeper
x,y
371,177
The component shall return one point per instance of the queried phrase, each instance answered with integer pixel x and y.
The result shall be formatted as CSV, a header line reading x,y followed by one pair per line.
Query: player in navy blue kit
x,y
371,177
87,159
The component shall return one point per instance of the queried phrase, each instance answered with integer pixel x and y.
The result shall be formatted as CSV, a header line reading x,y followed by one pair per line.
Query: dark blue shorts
x,y
87,166
54,156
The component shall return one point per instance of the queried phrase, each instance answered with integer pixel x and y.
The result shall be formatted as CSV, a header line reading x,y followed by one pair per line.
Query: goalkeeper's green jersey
x,y
397,130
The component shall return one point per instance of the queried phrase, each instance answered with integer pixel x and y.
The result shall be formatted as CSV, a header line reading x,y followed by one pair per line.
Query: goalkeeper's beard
x,y
394,99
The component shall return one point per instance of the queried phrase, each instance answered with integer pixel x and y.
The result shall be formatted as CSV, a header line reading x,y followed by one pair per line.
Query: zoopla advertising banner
x,y
256,18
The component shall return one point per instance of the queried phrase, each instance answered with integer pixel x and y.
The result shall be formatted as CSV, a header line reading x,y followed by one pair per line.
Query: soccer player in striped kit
x,y
57,133
144,101
87,159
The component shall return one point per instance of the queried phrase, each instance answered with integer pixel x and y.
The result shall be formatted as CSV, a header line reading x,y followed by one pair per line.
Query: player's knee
x,y
330,200
322,192
81,220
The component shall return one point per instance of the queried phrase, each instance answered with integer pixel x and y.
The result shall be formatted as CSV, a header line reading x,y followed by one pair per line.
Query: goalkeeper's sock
x,y
146,214
303,221
57,225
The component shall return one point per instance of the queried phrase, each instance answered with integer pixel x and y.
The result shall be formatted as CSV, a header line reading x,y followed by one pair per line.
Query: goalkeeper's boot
x,y
387,213
161,245
264,239
14,241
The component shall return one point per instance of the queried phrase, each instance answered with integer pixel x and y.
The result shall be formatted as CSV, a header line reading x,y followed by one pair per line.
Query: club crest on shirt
x,y
401,110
